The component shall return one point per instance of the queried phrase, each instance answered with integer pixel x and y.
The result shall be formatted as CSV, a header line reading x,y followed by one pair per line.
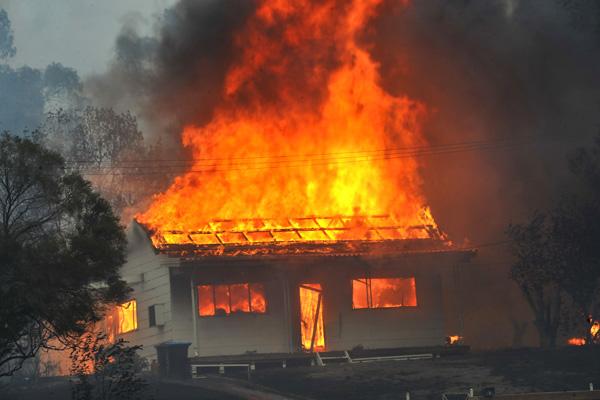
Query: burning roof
x,y
305,235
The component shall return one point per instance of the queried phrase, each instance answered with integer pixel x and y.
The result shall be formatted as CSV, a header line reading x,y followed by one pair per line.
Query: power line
x,y
300,162
315,155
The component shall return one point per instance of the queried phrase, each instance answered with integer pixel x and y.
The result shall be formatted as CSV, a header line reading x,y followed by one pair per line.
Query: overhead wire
x,y
309,160
314,155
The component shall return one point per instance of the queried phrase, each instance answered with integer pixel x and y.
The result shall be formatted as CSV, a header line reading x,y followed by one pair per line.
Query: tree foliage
x,y
108,148
61,248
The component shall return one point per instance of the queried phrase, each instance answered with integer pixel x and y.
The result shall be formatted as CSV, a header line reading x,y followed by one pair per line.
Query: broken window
x,y
383,293
232,298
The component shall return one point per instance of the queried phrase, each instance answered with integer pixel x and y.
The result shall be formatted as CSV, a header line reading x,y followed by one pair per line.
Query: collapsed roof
x,y
339,235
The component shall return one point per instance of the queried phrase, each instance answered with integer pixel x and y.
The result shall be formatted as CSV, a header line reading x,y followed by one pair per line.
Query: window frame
x,y
369,294
230,313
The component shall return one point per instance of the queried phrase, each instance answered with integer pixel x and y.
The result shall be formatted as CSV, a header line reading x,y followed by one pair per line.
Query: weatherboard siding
x,y
148,274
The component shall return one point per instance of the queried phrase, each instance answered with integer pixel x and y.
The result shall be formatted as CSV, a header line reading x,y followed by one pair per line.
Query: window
x,y
151,316
383,293
127,317
231,299
121,319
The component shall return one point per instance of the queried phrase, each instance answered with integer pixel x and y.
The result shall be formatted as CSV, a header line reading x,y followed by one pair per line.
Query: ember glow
x,y
576,341
311,317
453,339
302,129
594,334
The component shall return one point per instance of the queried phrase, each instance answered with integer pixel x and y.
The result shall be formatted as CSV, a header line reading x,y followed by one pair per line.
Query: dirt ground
x,y
508,371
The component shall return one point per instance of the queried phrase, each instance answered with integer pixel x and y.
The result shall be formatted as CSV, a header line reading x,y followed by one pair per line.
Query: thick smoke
x,y
509,70
176,77
519,71
513,70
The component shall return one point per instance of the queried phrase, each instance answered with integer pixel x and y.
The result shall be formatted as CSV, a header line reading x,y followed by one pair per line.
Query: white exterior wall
x,y
158,279
422,325
148,274
241,333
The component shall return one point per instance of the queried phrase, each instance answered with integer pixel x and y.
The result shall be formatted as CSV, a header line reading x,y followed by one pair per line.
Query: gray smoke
x,y
175,77
495,70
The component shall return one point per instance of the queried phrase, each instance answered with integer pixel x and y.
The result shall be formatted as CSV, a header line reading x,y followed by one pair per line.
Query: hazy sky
x,y
76,33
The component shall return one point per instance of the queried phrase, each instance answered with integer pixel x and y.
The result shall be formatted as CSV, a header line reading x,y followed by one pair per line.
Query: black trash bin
x,y
173,360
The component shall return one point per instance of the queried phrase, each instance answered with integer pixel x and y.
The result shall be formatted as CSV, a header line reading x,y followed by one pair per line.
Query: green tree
x,y
61,248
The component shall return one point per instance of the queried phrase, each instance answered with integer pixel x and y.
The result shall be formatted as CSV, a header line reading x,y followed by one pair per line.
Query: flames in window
x,y
311,317
231,299
121,319
384,293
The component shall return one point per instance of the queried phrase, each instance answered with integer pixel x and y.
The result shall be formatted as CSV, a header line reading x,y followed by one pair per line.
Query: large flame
x,y
301,129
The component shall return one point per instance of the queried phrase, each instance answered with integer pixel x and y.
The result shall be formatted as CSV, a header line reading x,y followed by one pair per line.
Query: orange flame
x,y
301,129
311,317
576,341
384,293
454,339
229,299
121,318
594,333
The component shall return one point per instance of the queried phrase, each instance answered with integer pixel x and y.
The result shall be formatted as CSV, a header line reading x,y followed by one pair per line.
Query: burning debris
x,y
594,334
307,235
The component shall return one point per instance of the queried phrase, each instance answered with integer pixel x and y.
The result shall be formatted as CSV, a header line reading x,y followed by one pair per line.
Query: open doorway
x,y
311,317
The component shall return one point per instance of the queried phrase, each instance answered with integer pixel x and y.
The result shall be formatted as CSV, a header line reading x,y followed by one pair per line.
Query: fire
x,y
384,293
302,129
595,329
311,317
230,299
576,341
453,339
594,334
121,319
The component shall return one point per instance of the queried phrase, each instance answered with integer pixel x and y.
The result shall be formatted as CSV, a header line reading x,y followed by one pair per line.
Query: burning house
x,y
261,289
300,222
